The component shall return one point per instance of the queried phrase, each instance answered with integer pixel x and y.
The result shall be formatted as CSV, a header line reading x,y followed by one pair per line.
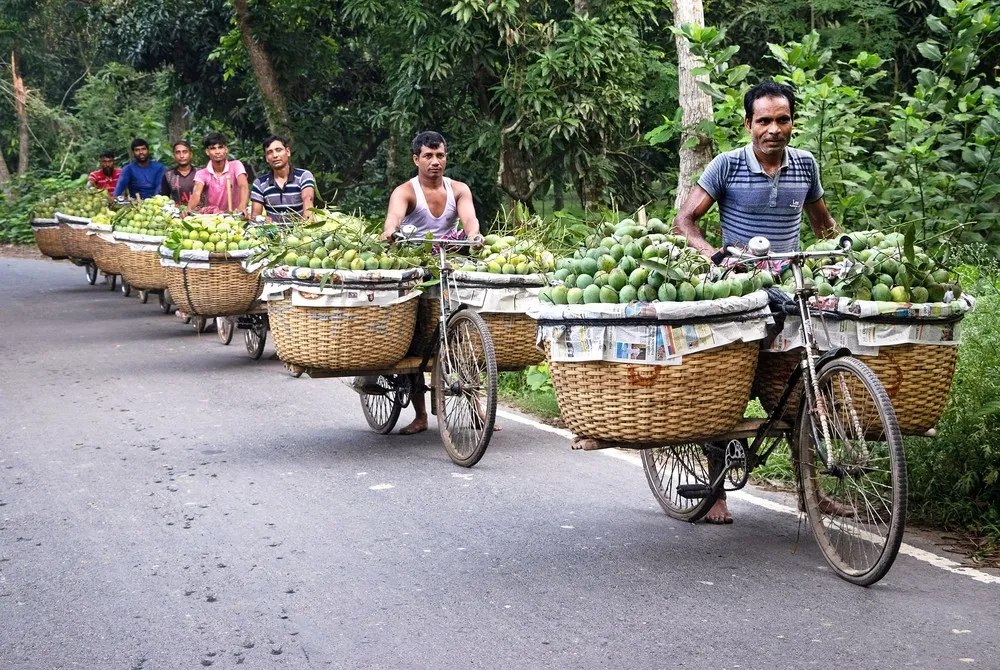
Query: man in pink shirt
x,y
220,186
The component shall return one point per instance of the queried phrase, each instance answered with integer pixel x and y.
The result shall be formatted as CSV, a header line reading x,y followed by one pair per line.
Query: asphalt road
x,y
165,502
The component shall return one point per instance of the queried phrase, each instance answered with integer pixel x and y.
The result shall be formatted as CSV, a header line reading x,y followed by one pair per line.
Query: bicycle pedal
x,y
694,491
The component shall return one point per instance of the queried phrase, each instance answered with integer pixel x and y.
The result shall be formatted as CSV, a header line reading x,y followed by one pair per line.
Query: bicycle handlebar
x,y
400,238
759,249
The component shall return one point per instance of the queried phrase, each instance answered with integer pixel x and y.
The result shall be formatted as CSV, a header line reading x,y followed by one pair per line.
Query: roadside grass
x,y
538,399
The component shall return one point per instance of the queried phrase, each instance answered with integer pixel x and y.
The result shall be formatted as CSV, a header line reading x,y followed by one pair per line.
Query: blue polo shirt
x,y
140,181
752,203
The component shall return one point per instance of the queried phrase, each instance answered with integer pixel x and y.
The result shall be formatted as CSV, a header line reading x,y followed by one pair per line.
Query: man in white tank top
x,y
433,203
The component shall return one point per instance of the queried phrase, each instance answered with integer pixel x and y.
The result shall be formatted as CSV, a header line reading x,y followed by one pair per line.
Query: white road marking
x,y
381,487
909,550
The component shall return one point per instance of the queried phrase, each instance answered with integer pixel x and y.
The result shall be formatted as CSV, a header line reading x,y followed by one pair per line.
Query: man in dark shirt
x,y
142,177
178,182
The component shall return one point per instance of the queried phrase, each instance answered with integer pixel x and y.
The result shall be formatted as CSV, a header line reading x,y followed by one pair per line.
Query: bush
x,y
19,197
955,477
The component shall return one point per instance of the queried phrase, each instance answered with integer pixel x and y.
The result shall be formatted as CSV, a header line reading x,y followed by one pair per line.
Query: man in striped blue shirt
x,y
763,187
285,194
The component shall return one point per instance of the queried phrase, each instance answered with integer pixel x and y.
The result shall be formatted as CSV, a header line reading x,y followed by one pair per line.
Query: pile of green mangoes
x,y
209,232
627,262
508,255
337,241
152,216
878,269
83,202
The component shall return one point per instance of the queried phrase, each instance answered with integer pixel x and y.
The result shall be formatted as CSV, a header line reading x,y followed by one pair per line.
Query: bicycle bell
x,y
759,246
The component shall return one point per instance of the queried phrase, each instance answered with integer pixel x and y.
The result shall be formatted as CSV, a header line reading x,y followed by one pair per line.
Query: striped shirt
x,y
282,204
752,203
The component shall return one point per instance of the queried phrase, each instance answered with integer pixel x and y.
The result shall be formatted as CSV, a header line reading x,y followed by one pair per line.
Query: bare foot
x,y
419,425
719,514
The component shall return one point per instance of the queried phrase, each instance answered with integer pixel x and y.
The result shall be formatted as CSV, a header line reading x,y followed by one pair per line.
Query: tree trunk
x,y
4,172
179,122
697,104
514,172
21,110
263,70
390,158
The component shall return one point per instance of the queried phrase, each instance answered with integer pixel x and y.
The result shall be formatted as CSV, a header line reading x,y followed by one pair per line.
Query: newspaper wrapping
x,y
862,326
663,334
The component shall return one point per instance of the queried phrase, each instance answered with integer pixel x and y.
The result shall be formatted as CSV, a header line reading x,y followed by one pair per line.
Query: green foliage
x,y
955,477
20,196
927,159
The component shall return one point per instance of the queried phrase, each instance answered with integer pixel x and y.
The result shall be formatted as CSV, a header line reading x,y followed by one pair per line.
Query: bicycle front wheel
x,y
854,487
465,388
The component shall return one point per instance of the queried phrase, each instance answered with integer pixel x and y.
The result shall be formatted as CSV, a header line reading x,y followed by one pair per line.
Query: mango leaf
x,y
930,51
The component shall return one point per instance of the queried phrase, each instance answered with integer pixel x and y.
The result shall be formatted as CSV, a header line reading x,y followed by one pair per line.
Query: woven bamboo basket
x,y
917,378
76,242
49,241
341,338
428,318
142,269
703,397
107,255
514,338
222,289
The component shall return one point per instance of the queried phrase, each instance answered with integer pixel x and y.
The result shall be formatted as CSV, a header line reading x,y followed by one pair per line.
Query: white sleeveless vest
x,y
422,218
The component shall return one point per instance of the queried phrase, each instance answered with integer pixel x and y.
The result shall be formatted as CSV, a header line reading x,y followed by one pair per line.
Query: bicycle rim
x,y
465,388
855,495
667,468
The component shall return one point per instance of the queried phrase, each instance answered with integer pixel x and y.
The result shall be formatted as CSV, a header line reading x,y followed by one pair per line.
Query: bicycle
x,y
463,371
845,442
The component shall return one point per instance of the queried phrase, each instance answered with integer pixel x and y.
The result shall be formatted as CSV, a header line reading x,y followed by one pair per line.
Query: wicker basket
x,y
428,318
107,255
49,239
222,289
703,397
76,242
917,378
342,338
142,269
514,338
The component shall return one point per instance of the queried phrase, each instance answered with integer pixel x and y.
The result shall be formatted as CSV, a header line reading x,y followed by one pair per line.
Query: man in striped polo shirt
x,y
285,194
762,189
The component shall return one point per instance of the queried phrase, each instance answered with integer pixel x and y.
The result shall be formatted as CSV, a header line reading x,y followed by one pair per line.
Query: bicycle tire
x,y
465,388
382,410
668,467
867,477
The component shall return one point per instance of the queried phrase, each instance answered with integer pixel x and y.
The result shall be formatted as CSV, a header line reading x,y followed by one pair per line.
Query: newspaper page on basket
x,y
677,331
341,288
863,335
497,293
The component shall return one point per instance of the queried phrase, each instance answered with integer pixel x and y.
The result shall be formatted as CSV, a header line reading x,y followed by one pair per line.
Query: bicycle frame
x,y
444,294
811,360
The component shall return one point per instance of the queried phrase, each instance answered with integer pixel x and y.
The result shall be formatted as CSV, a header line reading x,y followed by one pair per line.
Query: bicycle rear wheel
x,y
465,388
382,409
680,479
855,496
